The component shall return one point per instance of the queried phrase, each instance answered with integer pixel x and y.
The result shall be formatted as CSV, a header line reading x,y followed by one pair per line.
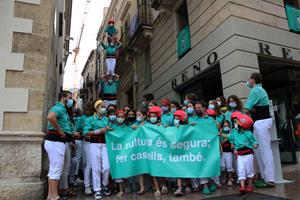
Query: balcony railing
x,y
140,26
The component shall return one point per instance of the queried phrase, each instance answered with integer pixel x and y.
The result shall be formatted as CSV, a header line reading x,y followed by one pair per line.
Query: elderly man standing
x,y
258,106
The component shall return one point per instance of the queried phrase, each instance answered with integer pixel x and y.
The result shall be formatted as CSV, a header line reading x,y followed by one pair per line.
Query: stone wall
x,y
25,38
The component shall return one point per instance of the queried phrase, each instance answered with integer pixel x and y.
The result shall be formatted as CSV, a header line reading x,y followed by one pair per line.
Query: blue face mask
x,y
70,103
232,105
226,129
186,102
165,109
112,118
173,110
190,111
153,120
211,107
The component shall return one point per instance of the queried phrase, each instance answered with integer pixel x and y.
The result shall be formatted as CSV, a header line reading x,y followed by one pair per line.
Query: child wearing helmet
x,y
180,118
209,183
226,156
111,30
244,142
154,115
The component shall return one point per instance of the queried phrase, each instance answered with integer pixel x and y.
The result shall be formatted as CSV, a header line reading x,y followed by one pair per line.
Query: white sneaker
x,y
88,191
98,195
164,190
157,193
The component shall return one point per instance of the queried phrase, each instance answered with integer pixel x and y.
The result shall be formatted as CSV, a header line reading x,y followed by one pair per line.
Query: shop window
x,y
147,74
60,25
129,95
292,8
183,36
60,69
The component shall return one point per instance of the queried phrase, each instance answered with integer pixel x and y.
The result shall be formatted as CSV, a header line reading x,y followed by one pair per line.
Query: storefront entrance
x,y
281,79
207,85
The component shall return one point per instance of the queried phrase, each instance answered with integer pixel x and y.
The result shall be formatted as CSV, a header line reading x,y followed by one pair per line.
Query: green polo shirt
x,y
110,50
220,119
167,119
94,123
110,88
242,139
257,97
110,30
196,119
62,118
79,123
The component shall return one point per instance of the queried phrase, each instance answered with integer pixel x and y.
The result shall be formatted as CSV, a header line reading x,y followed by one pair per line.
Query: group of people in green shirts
x,y
244,135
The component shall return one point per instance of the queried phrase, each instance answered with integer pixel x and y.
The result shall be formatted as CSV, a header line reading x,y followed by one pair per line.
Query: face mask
x,y
198,112
232,105
120,120
248,85
173,110
101,110
219,103
176,122
211,107
226,129
153,120
130,119
236,126
110,81
186,102
165,109
69,103
112,118
112,44
190,111
139,119
111,25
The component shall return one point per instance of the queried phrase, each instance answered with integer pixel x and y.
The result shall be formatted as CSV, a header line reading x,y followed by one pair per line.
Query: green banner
x,y
293,16
183,152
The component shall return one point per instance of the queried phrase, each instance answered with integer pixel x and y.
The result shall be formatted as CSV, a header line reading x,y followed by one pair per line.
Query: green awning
x,y
293,15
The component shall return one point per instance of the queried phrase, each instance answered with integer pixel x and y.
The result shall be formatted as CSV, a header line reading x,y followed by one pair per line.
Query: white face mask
x,y
101,110
176,122
219,103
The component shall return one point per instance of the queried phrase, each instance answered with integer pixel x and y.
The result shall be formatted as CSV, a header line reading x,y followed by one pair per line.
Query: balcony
x,y
164,6
138,31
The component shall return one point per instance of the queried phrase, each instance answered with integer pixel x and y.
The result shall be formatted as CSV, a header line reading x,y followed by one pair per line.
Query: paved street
x,y
290,190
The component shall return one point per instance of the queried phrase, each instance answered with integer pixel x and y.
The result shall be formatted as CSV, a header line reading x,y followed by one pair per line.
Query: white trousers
x,y
206,180
110,102
226,161
78,156
263,153
110,65
63,183
56,155
100,165
86,158
245,167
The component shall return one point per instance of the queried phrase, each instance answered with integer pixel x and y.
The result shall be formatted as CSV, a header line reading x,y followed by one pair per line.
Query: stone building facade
x,y
33,53
210,48
90,75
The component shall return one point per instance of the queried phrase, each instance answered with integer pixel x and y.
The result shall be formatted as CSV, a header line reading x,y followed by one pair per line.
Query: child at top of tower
x,y
111,30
